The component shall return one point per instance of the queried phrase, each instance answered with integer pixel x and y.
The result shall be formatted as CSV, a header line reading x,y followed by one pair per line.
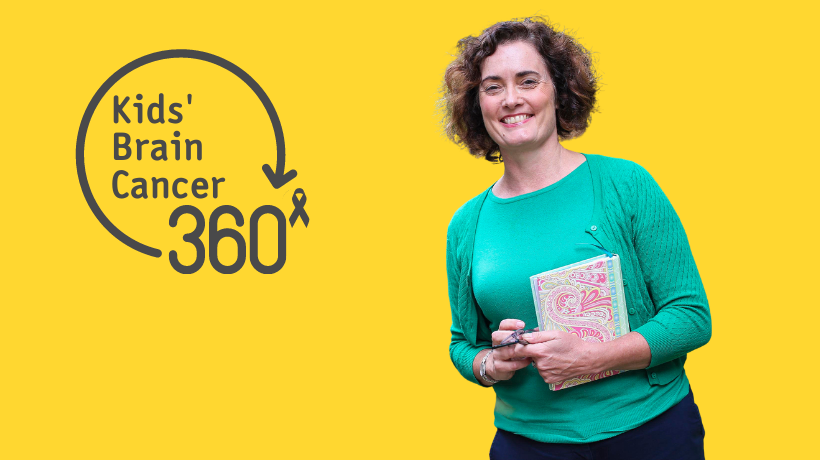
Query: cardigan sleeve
x,y
682,321
462,352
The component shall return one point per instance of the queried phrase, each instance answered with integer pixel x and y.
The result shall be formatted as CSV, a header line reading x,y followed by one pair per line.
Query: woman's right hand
x,y
503,362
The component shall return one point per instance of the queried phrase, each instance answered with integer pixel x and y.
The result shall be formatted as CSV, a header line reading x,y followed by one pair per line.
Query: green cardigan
x,y
632,218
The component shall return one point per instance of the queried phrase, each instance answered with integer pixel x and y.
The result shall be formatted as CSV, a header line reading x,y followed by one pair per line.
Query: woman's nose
x,y
511,97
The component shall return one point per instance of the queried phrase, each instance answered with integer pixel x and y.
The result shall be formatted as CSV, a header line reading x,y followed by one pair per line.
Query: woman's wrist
x,y
598,356
487,363
489,366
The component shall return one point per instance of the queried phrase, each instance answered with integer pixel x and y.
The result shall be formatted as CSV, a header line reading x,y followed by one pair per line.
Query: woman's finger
x,y
508,367
522,363
510,325
540,337
506,353
499,336
511,353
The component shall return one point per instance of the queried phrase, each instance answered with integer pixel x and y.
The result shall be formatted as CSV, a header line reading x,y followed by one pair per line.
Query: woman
x,y
511,95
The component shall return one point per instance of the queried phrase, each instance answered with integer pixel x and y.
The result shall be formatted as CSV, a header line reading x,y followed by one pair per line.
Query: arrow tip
x,y
278,180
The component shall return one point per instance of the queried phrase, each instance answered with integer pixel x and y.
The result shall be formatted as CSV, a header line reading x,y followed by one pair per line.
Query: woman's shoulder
x,y
627,183
618,172
613,167
466,213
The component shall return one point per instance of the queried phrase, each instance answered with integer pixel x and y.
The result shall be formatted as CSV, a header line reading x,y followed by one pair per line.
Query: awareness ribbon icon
x,y
299,208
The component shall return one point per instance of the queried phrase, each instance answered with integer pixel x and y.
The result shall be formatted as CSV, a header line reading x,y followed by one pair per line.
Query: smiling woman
x,y
517,103
572,81
512,94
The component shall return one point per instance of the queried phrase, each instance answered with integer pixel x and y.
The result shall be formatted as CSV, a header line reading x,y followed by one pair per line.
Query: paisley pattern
x,y
581,299
583,313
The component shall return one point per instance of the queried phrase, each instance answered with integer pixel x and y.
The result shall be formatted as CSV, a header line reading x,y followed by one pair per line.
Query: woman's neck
x,y
528,171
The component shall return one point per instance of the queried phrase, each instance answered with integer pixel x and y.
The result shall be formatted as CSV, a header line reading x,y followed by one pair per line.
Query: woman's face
x,y
517,97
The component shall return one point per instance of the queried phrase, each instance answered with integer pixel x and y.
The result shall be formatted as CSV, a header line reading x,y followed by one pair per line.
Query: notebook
x,y
585,299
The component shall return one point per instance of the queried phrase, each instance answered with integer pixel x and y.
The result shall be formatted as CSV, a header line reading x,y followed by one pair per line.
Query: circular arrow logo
x,y
277,177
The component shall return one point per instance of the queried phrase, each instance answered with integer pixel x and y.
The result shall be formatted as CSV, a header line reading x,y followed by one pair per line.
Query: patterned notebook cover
x,y
585,299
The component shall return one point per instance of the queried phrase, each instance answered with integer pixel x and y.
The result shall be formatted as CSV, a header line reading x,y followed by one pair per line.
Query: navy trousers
x,y
676,434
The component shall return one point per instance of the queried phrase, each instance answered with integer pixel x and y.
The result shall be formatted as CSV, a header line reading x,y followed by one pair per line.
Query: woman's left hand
x,y
558,355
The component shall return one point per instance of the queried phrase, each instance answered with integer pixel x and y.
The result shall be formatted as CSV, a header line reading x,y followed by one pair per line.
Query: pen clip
x,y
608,254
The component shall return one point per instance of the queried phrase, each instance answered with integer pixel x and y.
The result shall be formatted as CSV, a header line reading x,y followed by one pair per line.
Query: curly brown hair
x,y
569,65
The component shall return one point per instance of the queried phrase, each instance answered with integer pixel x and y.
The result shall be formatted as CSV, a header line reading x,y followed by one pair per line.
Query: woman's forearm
x,y
625,353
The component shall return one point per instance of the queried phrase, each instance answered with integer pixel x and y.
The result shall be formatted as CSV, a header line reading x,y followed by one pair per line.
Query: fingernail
x,y
520,324
526,336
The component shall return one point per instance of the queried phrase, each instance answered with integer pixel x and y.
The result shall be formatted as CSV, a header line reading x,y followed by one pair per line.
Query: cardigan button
x,y
593,228
654,375
632,311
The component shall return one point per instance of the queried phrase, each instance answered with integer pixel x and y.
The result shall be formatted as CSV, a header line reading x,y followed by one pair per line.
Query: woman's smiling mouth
x,y
516,119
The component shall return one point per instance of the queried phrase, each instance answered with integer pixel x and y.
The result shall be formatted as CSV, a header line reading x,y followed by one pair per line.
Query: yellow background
x,y
107,353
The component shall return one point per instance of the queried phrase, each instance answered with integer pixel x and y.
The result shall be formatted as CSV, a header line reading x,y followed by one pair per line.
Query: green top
x,y
610,202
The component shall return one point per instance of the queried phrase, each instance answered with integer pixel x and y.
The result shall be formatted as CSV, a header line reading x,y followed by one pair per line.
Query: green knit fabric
x,y
664,294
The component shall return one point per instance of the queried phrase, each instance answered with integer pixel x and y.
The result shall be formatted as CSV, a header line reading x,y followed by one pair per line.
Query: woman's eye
x,y
492,89
529,83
